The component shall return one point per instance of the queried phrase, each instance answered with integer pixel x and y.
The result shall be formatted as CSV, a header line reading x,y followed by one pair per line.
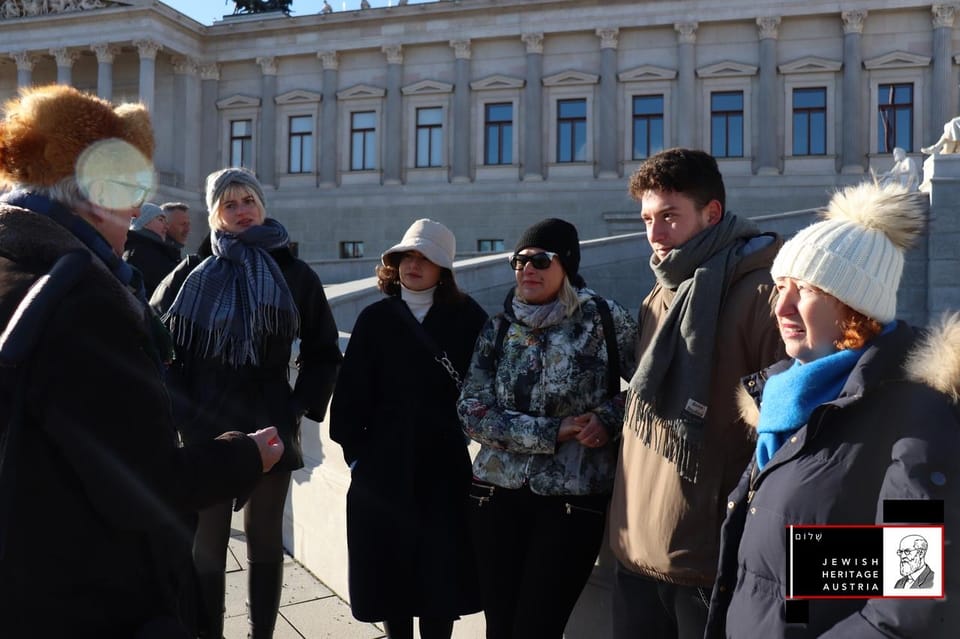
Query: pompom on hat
x,y
856,253
47,129
434,240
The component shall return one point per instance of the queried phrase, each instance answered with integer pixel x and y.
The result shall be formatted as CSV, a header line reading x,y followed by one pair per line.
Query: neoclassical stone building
x,y
490,114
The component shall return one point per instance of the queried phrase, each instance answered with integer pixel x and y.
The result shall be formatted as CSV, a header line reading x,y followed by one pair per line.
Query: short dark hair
x,y
690,172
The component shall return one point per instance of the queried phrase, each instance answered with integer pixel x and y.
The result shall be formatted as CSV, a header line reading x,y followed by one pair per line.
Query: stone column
x,y
266,147
686,122
25,63
328,118
65,59
533,121
942,174
853,153
210,159
148,70
767,162
461,112
393,118
186,103
105,55
943,104
608,149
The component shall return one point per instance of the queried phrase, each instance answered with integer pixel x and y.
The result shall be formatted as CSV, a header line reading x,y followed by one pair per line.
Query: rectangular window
x,y
895,124
498,134
647,125
363,141
726,124
810,121
301,144
241,143
350,250
490,246
572,130
429,137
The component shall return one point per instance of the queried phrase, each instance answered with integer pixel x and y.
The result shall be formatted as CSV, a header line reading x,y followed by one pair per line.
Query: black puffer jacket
x,y
893,433
209,395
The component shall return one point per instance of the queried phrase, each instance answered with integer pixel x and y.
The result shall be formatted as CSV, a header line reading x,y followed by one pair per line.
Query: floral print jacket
x,y
513,401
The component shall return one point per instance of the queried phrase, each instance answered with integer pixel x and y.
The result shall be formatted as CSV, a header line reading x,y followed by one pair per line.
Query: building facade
x,y
490,114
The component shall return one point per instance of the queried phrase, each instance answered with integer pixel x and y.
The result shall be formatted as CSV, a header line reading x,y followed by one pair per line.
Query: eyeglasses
x,y
908,551
540,261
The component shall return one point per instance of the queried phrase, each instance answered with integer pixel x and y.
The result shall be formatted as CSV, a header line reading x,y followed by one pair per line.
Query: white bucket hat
x,y
434,240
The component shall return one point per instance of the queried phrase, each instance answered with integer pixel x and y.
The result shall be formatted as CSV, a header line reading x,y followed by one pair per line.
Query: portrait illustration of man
x,y
914,571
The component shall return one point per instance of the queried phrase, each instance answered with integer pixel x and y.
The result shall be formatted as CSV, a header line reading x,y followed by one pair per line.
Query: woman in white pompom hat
x,y
865,411
394,413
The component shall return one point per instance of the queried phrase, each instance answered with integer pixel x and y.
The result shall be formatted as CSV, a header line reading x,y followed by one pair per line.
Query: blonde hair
x,y
214,217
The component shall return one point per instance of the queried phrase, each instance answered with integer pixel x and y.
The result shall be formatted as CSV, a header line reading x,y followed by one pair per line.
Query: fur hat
x,y
856,253
557,236
46,129
434,240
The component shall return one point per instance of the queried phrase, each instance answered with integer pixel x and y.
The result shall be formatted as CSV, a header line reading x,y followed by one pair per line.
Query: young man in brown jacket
x,y
707,322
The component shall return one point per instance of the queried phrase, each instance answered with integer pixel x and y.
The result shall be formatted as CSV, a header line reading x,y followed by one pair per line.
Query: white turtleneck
x,y
419,302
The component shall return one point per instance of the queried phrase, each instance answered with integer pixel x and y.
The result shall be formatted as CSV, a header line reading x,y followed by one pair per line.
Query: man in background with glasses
x,y
707,322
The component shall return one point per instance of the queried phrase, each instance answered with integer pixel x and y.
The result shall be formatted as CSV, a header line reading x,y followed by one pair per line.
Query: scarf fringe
x,y
220,343
674,439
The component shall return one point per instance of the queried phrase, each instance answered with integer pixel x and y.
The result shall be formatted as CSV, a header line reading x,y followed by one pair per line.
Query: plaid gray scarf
x,y
235,298
668,395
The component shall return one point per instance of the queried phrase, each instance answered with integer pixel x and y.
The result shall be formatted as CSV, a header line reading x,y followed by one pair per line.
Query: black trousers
x,y
535,554
644,608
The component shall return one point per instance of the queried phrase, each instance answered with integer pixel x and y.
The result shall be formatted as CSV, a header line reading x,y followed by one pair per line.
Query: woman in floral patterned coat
x,y
543,399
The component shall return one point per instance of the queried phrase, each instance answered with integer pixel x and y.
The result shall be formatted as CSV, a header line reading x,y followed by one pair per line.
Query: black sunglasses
x,y
540,261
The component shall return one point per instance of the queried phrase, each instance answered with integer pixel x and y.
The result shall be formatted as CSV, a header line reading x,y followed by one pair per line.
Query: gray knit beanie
x,y
218,182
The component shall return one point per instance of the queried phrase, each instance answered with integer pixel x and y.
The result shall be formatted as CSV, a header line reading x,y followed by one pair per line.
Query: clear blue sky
x,y
206,11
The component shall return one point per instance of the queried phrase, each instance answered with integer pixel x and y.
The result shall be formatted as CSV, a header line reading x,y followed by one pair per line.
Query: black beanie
x,y
557,236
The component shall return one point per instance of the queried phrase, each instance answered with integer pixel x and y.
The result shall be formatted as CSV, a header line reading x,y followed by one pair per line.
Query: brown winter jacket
x,y
660,525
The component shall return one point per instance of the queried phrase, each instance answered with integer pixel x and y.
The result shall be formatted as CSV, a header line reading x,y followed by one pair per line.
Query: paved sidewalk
x,y
308,609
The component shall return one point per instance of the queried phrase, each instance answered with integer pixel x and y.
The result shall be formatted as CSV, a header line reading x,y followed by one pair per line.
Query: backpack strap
x,y
17,342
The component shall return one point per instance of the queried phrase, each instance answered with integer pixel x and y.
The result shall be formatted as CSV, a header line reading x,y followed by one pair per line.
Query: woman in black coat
x,y
394,413
234,318
864,412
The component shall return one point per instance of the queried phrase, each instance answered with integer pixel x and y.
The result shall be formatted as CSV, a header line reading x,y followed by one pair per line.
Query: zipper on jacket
x,y
570,508
813,432
482,499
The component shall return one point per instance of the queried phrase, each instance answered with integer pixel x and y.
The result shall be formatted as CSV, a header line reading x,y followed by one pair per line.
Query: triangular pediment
x,y
897,60
647,72
726,69
570,78
811,64
298,96
360,91
426,87
238,102
497,81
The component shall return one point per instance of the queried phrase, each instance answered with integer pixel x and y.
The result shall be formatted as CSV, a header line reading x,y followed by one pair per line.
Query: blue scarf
x,y
790,397
80,229
231,301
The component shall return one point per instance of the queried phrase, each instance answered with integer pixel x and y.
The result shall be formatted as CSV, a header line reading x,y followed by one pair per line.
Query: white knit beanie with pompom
x,y
856,253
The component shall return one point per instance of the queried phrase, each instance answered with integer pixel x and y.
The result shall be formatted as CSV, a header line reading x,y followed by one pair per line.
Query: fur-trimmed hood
x,y
933,360
29,238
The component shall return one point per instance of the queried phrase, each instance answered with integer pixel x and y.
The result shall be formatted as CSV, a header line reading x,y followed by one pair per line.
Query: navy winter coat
x,y
893,433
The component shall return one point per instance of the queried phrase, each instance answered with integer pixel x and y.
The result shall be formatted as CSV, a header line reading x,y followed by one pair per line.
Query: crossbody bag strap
x,y
17,343
613,350
439,355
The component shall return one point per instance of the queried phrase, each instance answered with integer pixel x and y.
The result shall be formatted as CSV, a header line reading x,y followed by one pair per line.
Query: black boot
x,y
210,617
263,602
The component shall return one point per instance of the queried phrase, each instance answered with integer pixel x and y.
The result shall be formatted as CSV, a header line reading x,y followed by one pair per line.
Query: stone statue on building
x,y
31,8
364,4
904,171
326,7
261,6
949,142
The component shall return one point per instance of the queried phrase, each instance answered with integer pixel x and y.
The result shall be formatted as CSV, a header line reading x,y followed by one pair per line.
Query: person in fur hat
x,y
96,496
864,410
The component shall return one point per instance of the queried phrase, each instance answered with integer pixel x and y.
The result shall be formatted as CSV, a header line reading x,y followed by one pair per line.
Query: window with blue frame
x,y
726,124
895,121
810,121
572,130
498,133
647,125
